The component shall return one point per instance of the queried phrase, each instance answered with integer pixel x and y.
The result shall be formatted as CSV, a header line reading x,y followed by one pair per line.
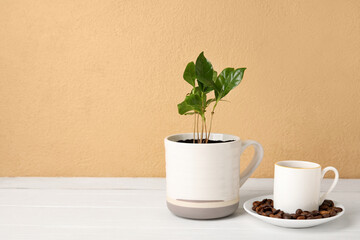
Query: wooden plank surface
x,y
135,208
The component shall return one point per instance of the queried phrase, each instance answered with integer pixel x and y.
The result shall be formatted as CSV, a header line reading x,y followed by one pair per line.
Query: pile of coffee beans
x,y
266,208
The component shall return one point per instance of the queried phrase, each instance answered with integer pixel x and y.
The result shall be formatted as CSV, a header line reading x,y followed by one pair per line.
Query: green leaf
x,y
204,71
208,89
204,88
190,113
196,90
201,86
203,101
183,108
208,102
221,82
228,80
189,74
192,102
214,76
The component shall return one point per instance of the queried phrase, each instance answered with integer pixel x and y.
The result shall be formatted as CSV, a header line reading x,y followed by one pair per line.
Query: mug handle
x,y
323,172
258,156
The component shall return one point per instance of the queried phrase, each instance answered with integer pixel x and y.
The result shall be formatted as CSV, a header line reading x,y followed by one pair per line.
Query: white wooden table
x,y
135,208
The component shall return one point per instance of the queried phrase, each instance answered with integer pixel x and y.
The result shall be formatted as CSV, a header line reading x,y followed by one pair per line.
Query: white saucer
x,y
289,223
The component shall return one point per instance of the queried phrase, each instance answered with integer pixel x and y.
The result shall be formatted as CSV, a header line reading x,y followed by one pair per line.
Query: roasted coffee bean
x,y
328,203
332,212
276,211
306,214
267,213
265,208
315,213
280,214
258,208
337,209
323,207
298,212
325,214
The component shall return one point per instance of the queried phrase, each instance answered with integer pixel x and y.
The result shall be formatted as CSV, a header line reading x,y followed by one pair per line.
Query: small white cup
x,y
297,185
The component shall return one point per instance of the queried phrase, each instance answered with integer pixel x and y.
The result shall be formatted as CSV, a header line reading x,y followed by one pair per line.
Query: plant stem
x,y
197,127
202,130
206,139
211,118
194,128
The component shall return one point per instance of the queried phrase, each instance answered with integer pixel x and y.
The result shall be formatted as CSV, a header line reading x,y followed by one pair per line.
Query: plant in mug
x,y
202,175
204,80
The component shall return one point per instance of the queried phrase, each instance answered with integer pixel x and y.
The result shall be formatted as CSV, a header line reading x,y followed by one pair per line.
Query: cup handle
x,y
323,172
258,156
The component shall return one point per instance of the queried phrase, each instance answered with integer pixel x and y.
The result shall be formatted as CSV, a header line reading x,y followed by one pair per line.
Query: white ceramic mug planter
x,y
202,180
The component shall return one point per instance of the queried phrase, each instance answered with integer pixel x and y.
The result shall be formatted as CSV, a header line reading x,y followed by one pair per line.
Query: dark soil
x,y
210,141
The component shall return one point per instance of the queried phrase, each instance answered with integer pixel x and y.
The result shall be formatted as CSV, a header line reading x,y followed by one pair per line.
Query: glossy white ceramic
x,y
297,185
206,176
289,223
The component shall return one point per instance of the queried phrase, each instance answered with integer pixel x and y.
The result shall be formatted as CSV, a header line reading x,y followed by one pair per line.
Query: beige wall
x,y
89,88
